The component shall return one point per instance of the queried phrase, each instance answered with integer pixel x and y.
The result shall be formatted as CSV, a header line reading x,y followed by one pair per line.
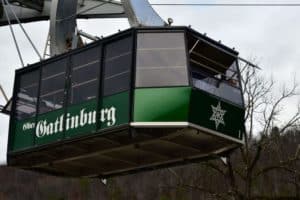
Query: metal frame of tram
x,y
36,158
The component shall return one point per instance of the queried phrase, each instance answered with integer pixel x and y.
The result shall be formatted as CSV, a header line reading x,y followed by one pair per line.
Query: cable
x,y
4,94
24,31
231,4
13,34
83,11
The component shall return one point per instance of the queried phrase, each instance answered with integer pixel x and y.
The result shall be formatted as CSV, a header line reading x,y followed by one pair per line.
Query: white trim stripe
x,y
183,125
159,124
216,133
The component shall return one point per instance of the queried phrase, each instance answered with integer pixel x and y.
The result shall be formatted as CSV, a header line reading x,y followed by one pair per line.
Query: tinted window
x,y
27,95
52,86
84,75
161,60
117,66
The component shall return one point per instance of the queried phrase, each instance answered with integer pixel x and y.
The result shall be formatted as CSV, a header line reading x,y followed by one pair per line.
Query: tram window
x,y
214,71
117,66
161,60
52,86
85,75
26,98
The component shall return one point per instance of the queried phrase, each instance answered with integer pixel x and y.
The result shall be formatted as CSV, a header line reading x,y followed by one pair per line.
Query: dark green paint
x,y
89,106
177,104
50,117
122,104
161,104
23,137
201,112
186,105
26,139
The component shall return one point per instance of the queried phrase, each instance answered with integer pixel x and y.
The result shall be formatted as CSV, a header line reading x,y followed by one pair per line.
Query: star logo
x,y
218,115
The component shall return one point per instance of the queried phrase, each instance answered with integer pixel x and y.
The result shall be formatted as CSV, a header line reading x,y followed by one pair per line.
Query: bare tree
x,y
265,108
266,167
265,124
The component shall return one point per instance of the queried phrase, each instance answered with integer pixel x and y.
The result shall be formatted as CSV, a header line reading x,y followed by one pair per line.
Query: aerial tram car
x,y
144,98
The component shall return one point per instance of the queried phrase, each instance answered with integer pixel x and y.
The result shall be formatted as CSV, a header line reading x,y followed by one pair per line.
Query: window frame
x,y
133,32
67,57
226,50
99,96
164,30
99,48
104,53
17,86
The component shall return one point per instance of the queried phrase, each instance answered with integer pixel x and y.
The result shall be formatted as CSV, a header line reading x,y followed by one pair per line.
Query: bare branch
x,y
283,165
215,167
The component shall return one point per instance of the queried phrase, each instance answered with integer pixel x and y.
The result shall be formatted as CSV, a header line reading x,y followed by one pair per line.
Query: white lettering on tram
x,y
28,126
45,128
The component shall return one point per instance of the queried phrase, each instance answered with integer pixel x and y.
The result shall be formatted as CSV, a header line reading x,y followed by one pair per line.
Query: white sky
x,y
268,34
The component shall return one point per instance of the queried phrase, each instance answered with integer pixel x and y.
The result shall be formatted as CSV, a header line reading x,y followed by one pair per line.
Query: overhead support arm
x,y
62,25
141,13
63,32
63,15
88,9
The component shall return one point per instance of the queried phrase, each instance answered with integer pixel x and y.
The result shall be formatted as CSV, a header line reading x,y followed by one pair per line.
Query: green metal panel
x,y
83,116
80,119
115,109
161,104
213,113
23,134
49,127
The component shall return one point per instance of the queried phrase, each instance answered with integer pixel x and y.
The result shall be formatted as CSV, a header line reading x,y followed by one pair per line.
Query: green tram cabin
x,y
141,99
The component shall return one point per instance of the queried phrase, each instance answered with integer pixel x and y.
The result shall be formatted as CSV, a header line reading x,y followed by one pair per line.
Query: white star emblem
x,y
218,115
